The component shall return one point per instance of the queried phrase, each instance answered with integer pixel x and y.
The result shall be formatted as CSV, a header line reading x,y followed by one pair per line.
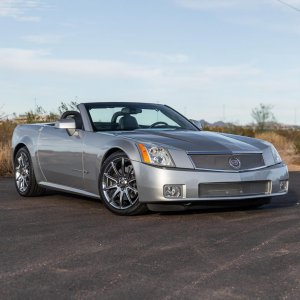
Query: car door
x,y
60,156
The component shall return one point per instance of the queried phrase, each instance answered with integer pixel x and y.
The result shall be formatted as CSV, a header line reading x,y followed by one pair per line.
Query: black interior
x,y
128,122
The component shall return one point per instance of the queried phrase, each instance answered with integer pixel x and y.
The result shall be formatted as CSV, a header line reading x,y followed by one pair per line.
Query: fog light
x,y
284,185
173,191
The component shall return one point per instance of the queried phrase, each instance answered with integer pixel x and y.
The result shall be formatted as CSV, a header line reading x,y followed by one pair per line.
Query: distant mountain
x,y
215,124
269,125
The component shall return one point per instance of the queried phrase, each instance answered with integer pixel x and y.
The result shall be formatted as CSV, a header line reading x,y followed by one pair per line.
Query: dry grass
x,y
280,142
6,130
285,147
6,167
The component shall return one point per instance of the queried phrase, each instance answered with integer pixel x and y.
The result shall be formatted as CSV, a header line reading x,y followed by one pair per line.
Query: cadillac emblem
x,y
235,163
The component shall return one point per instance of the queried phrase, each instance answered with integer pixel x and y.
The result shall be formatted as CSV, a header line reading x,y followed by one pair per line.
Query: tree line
x,y
39,114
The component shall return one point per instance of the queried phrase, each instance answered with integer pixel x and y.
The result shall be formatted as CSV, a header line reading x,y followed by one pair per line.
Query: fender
x,y
28,136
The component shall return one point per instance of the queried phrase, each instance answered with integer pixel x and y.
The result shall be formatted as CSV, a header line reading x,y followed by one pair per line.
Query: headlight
x,y
276,155
155,155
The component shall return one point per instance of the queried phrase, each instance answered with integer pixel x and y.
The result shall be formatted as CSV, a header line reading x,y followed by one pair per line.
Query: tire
x,y
25,180
117,186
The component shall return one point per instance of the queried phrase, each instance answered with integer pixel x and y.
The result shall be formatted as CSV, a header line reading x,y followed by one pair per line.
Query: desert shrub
x,y
239,130
6,131
293,136
6,167
285,146
279,141
296,141
297,146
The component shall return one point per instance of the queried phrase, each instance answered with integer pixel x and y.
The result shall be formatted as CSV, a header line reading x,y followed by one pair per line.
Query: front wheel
x,y
118,188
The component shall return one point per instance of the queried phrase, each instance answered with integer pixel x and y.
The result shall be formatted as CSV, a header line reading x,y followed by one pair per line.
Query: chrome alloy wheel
x,y
119,184
22,172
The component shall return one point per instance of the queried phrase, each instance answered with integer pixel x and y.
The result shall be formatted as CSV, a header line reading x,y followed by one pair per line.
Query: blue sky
x,y
211,59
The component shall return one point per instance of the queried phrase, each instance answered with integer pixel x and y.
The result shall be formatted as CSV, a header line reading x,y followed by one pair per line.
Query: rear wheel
x,y
118,188
25,180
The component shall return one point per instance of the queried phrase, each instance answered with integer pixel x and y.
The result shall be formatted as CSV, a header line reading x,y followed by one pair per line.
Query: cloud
x,y
259,14
161,57
192,82
20,9
186,75
42,61
235,4
43,39
169,77
208,4
290,2
201,78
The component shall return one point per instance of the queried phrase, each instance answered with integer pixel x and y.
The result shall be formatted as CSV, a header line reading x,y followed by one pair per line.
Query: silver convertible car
x,y
139,156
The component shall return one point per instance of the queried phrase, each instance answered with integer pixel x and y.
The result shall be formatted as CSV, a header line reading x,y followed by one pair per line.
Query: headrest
x,y
128,122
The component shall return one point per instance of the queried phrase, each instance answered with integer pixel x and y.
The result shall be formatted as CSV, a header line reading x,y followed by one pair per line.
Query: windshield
x,y
134,116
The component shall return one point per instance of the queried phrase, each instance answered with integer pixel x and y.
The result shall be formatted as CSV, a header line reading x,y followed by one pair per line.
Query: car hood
x,y
198,141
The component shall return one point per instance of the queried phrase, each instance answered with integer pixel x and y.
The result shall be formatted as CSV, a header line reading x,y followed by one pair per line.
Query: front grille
x,y
234,189
223,162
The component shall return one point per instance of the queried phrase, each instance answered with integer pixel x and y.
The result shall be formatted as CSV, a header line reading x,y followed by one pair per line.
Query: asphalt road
x,y
66,247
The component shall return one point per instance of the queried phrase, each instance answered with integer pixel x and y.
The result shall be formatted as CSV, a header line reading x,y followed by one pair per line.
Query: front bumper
x,y
151,180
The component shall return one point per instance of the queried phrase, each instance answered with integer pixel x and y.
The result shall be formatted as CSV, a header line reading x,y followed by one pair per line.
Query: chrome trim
x,y
222,152
119,184
235,162
230,171
242,187
189,153
22,172
270,187
65,124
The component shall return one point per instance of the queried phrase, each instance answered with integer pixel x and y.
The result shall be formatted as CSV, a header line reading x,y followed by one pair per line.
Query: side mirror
x,y
197,124
68,124
65,124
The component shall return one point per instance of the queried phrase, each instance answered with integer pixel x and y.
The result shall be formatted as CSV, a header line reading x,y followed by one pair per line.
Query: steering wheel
x,y
159,123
